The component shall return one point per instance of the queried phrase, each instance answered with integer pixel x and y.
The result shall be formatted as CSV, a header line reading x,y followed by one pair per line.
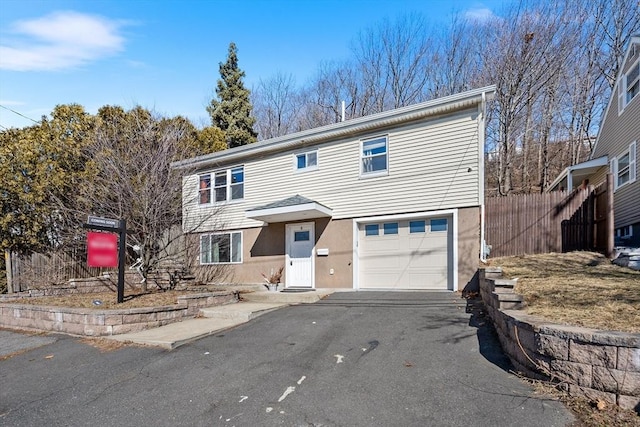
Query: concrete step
x,y
502,285
509,301
492,272
286,297
241,311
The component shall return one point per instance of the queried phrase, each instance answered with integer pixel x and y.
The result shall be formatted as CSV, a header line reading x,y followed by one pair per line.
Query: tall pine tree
x,y
231,112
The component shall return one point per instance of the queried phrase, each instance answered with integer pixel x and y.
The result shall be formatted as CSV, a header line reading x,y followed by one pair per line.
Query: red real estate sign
x,y
102,249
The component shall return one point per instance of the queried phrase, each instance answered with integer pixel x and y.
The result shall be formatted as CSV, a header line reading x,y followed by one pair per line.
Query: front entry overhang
x,y
294,208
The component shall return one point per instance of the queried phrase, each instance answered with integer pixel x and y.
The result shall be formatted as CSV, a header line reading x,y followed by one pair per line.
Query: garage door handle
x,y
290,262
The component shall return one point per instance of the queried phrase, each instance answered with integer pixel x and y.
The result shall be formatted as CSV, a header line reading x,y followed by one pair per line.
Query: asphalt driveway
x,y
353,359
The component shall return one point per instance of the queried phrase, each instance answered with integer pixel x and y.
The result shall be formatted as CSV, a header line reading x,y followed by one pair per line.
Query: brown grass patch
x,y
104,344
108,300
578,288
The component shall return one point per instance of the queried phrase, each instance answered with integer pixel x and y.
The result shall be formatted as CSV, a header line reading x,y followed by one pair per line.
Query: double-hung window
x,y
623,167
374,156
221,186
221,248
306,161
629,86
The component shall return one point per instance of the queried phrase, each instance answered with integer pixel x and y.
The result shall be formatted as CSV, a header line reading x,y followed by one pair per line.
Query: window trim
x,y
229,185
306,168
623,87
230,234
382,172
631,151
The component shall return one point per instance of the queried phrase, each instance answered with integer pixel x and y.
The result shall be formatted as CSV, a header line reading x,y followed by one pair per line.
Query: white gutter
x,y
481,136
336,130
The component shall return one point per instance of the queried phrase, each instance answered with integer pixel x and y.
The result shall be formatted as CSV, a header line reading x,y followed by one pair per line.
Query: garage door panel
x,y
418,260
382,262
428,258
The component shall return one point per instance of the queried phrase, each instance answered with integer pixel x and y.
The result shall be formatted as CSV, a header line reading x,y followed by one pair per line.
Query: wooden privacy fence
x,y
36,270
42,270
551,222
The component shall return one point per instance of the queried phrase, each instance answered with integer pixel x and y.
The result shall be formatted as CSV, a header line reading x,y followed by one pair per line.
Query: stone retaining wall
x,y
592,363
96,322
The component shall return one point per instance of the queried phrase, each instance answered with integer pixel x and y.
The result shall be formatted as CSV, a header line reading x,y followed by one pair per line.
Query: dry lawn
x,y
108,300
578,288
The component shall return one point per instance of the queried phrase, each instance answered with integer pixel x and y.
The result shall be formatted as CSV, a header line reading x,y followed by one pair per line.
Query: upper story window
x,y
374,158
307,161
623,167
629,86
221,186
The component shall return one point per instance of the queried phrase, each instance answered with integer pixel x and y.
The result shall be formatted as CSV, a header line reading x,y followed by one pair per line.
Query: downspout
x,y
481,132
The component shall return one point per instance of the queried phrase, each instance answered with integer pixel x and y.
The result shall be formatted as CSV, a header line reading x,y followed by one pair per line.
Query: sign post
x,y
101,247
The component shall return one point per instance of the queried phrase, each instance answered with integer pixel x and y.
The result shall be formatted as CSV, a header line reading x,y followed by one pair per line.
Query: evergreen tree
x,y
231,112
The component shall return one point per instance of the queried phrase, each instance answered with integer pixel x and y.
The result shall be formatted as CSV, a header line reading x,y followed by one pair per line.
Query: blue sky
x,y
164,55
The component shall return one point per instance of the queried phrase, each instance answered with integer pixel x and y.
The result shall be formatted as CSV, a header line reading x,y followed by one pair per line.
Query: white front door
x,y
300,240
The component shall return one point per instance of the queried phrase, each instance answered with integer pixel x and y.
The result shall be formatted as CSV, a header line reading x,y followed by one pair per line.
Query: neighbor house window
x,y
228,184
374,156
371,230
221,248
439,224
623,167
307,161
625,232
629,86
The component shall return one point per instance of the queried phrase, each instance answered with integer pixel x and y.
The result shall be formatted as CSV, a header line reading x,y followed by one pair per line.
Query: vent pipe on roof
x,y
342,111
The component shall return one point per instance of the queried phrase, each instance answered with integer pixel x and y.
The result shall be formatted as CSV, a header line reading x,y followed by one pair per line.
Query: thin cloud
x,y
9,102
60,41
480,14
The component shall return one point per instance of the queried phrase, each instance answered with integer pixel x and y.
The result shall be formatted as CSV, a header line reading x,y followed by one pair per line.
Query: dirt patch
x,y
578,288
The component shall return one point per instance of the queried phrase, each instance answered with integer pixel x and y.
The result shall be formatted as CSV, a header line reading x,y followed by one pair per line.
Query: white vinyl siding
x,y
432,165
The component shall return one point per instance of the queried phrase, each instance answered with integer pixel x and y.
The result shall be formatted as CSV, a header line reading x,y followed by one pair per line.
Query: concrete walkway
x,y
219,318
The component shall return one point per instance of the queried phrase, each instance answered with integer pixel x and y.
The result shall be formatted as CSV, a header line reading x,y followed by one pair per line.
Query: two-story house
x,y
388,201
616,150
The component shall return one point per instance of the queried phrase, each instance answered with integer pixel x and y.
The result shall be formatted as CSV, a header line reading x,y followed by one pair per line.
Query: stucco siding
x,y
432,165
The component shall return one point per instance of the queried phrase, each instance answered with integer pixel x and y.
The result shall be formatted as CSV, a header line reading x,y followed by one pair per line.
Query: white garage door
x,y
407,254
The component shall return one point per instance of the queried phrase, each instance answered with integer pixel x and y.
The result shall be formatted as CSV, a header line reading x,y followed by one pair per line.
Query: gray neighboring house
x,y
616,151
388,201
